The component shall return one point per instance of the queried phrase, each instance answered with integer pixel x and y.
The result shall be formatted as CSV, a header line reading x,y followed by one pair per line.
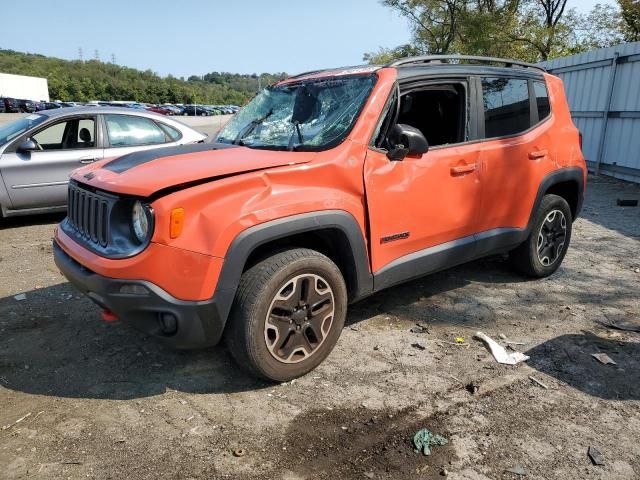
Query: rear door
x,y
39,178
516,151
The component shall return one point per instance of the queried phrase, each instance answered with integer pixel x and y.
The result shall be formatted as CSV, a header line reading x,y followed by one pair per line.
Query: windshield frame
x,y
314,80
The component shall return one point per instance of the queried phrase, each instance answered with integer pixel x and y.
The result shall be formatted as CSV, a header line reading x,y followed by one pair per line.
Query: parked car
x,y
175,110
161,109
11,105
39,151
199,110
51,105
26,106
324,189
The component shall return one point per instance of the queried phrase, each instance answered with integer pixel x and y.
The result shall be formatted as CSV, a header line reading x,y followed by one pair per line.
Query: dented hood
x,y
147,172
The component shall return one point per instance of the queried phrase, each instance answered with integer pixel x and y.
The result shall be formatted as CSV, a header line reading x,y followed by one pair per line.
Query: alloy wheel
x,y
299,318
552,237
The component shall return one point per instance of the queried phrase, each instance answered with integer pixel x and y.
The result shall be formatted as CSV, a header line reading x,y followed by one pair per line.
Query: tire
x,y
544,249
274,347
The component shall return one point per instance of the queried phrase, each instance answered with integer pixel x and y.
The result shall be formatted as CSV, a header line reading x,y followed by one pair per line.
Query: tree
x,y
530,30
630,10
601,27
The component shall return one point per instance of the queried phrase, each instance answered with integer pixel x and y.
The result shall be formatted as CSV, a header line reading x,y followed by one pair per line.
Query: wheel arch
x,y
335,233
567,183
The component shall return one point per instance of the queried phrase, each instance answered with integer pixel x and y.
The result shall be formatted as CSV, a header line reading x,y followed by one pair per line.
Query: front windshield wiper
x,y
246,131
296,124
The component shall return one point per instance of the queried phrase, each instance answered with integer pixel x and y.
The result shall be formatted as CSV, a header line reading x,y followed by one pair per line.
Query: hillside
x,y
94,80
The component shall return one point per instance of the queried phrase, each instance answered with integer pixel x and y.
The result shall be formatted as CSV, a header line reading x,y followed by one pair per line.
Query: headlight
x,y
140,221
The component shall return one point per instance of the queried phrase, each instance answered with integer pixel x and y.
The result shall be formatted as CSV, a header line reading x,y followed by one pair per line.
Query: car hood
x,y
147,172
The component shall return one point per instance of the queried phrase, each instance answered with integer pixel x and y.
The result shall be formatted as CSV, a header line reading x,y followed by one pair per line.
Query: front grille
x,y
88,214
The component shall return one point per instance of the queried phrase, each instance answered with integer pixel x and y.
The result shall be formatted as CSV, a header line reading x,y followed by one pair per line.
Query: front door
x,y
427,204
39,178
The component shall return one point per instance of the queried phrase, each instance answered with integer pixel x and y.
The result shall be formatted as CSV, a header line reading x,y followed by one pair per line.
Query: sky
x,y
194,37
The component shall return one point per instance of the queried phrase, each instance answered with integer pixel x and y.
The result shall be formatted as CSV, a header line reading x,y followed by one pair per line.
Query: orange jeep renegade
x,y
326,188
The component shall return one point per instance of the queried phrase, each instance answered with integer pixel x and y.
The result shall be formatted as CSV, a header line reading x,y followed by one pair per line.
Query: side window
x,y
438,111
51,138
86,137
129,131
506,106
72,134
542,100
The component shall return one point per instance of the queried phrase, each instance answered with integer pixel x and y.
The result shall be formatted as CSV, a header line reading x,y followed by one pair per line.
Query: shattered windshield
x,y
310,115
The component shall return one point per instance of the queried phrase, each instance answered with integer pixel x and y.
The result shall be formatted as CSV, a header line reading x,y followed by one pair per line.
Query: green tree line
x,y
530,30
84,81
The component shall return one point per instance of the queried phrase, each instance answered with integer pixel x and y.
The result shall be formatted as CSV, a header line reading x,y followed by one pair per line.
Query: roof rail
x,y
469,58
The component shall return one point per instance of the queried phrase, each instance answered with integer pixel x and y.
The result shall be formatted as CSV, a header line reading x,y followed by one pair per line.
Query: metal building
x,y
603,89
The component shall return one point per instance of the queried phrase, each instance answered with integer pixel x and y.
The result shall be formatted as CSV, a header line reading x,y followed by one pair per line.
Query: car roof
x,y
411,71
60,112
433,64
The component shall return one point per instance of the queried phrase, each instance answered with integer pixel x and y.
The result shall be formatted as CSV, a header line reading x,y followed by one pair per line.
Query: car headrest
x,y
85,135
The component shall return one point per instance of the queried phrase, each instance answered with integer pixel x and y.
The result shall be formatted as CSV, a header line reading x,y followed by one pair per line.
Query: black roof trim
x,y
467,58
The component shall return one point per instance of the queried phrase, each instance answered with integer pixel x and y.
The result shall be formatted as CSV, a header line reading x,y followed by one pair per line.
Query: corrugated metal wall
x,y
603,89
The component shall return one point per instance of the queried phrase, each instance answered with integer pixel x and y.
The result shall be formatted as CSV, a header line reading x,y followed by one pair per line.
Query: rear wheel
x,y
544,249
287,316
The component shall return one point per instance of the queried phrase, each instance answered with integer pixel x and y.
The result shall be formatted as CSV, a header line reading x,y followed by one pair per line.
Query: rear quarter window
x,y
506,106
173,133
542,100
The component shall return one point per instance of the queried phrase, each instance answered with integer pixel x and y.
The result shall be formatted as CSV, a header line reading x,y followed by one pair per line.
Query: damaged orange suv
x,y
326,188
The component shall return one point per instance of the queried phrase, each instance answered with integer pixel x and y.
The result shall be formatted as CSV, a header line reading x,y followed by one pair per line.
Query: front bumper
x,y
147,307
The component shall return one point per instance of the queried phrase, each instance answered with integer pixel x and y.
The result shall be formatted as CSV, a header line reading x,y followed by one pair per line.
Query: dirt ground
x,y
102,401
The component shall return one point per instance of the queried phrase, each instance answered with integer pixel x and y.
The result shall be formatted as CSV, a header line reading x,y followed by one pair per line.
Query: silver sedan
x,y
39,151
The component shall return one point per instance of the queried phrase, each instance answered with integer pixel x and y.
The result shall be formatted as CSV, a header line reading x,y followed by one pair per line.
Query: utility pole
x,y
96,54
113,58
80,53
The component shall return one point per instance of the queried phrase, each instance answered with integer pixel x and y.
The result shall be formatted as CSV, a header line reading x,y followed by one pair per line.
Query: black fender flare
x,y
250,239
569,174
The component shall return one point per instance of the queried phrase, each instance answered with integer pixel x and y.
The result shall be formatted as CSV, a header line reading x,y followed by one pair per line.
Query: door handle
x,y
87,160
461,169
538,154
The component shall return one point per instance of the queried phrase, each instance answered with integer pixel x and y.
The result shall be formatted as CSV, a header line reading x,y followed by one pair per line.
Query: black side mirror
x,y
28,145
405,140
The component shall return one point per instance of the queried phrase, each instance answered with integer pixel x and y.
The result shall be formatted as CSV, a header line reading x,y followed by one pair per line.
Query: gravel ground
x,y
102,401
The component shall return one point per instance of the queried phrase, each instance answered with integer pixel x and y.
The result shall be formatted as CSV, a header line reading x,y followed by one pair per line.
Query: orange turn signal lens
x,y
177,222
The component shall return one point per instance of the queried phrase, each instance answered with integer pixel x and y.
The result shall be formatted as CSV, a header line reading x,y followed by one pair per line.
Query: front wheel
x,y
288,313
544,249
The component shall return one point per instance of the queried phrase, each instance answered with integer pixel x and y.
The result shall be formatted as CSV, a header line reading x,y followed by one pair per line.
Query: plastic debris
x,y
459,339
499,353
424,439
20,297
603,358
517,470
5,427
535,380
595,456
